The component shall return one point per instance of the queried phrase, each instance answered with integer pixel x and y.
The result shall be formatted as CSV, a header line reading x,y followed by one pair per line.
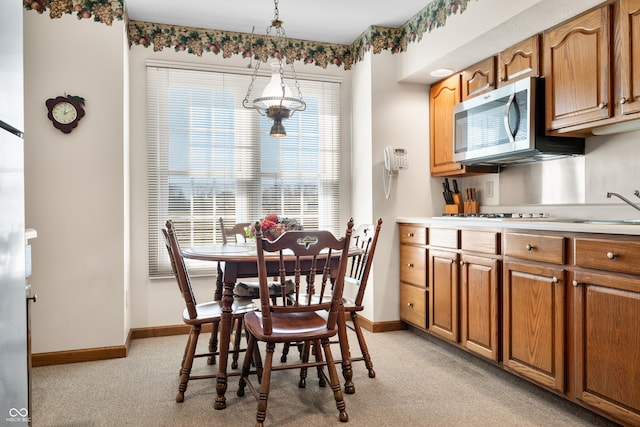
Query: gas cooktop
x,y
508,215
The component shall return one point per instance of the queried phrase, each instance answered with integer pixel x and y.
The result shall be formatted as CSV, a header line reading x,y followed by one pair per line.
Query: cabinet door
x,y
577,70
443,294
479,78
534,323
519,61
413,305
479,305
607,342
442,97
413,265
629,61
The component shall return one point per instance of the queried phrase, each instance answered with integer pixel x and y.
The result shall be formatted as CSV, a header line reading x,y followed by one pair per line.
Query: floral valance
x,y
198,40
104,11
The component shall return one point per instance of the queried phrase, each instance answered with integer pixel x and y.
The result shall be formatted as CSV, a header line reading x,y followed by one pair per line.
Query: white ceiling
x,y
332,21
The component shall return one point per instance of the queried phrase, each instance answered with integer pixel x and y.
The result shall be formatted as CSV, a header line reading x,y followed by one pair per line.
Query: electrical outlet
x,y
488,189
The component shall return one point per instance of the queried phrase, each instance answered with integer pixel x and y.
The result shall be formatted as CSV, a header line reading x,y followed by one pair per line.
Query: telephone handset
x,y
395,159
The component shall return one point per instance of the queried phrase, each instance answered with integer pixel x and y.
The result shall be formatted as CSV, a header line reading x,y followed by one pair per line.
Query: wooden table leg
x,y
217,296
225,337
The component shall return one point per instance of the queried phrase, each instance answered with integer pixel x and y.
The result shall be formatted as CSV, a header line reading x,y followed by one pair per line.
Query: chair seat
x,y
252,289
208,311
288,327
348,303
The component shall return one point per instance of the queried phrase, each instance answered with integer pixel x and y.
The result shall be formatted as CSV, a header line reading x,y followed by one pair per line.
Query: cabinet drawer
x,y
608,255
443,237
413,265
485,242
535,247
416,234
413,305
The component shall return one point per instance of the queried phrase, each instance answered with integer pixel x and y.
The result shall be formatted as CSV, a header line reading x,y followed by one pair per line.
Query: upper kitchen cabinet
x,y
479,78
576,60
519,61
442,97
627,36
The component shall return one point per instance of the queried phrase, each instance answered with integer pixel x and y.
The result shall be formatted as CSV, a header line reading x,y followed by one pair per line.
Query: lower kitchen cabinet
x,y
444,244
443,295
607,344
606,324
561,310
479,305
413,274
533,329
413,305
533,307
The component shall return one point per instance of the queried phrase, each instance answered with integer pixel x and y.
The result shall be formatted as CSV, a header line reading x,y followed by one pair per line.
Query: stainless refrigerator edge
x,y
14,371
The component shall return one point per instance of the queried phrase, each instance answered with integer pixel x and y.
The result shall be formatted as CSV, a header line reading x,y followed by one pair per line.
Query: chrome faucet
x,y
624,199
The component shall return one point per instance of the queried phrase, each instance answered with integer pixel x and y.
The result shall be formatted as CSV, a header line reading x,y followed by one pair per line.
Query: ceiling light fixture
x,y
442,72
277,101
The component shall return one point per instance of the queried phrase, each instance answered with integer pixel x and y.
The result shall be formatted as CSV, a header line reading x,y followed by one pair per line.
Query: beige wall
x,y
387,112
76,188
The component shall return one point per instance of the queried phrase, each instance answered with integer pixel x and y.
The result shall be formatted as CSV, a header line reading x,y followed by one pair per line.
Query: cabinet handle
x,y
623,100
461,262
501,79
602,105
33,298
575,283
453,261
554,279
409,234
410,265
529,247
410,304
611,255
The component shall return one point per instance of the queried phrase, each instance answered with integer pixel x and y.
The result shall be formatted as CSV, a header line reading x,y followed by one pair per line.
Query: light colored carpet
x,y
419,382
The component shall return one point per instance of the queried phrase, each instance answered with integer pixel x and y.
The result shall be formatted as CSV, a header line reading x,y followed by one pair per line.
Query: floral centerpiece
x,y
273,226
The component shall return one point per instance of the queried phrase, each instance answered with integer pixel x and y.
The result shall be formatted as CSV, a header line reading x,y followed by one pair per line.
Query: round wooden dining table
x,y
238,261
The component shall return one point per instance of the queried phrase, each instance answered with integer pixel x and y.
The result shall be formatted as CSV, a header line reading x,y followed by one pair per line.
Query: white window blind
x,y
208,157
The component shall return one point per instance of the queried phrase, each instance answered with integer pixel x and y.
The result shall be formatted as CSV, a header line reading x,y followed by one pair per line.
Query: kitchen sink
x,y
608,221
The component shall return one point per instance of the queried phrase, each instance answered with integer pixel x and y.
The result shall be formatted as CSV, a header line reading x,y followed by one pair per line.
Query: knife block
x,y
471,207
456,207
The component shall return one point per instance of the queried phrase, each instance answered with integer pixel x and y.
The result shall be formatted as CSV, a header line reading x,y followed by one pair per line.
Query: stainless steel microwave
x,y
506,126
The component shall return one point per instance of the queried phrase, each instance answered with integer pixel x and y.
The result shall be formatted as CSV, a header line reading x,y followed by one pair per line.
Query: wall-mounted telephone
x,y
395,159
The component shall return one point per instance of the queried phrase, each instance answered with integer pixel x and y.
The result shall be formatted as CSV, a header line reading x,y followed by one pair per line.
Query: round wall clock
x,y
65,112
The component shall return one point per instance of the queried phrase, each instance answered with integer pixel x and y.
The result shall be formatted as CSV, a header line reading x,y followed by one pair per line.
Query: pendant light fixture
x,y
277,101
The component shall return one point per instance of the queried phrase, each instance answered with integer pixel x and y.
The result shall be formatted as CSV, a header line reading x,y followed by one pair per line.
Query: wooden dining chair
x,y
236,233
196,315
365,238
300,254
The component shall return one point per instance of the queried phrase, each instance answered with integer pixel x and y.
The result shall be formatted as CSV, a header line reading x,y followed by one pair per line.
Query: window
x,y
209,157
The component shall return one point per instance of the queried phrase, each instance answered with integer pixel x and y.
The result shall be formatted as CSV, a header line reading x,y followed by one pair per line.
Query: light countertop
x,y
547,224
